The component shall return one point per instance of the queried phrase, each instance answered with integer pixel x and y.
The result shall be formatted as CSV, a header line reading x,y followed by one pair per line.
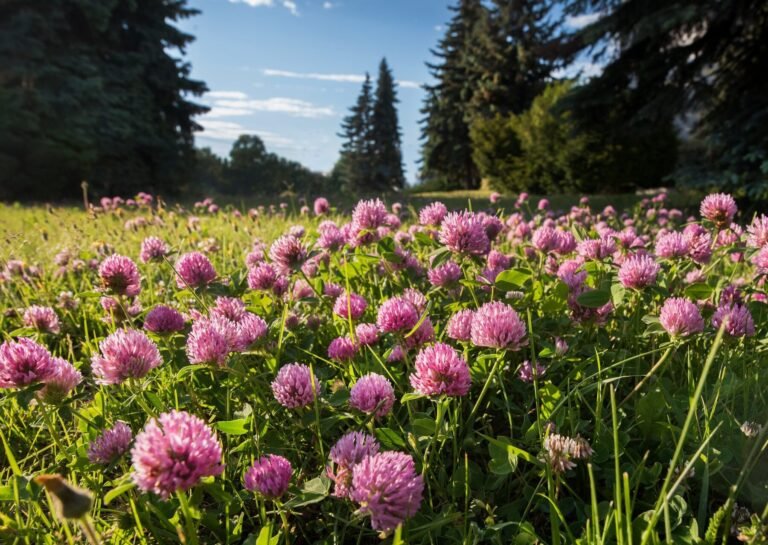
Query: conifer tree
x,y
447,149
505,49
387,160
670,57
354,165
91,89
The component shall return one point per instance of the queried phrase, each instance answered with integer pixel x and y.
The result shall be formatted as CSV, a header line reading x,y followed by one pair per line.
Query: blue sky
x,y
288,70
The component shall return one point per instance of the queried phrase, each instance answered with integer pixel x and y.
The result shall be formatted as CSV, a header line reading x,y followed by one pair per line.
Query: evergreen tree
x,y
670,57
447,149
387,160
355,163
506,48
89,89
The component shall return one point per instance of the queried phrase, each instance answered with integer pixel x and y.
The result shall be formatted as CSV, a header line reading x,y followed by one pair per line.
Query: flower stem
x,y
190,532
90,532
284,519
487,384
51,429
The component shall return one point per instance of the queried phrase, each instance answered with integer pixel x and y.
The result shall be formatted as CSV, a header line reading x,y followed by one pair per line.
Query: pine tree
x,y
670,57
89,89
387,161
354,165
447,149
505,51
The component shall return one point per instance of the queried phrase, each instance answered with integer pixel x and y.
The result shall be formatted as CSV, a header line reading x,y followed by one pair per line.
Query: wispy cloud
x,y
237,103
230,130
226,95
290,5
345,78
254,3
219,111
350,78
328,5
580,21
291,106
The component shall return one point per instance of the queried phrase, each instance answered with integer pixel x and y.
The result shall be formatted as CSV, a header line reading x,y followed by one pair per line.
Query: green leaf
x,y
6,493
266,537
392,257
594,298
312,492
189,369
425,239
9,455
617,294
233,427
560,291
410,396
423,427
183,295
550,396
503,460
698,291
24,486
155,400
438,257
117,491
537,292
503,442
513,279
386,246
389,438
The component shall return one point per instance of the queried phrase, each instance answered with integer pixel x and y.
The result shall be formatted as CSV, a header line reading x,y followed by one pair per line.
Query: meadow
x,y
311,372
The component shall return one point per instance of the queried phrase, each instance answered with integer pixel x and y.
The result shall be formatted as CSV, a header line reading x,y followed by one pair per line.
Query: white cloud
x,y
290,106
218,111
229,130
580,21
236,95
237,103
439,28
328,5
350,78
347,78
253,3
409,84
291,6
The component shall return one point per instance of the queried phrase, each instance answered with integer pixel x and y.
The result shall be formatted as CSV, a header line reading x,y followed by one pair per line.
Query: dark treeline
x,y
98,90
682,95
251,169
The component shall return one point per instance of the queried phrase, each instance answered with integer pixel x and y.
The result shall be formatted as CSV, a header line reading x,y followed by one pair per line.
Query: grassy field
x,y
563,378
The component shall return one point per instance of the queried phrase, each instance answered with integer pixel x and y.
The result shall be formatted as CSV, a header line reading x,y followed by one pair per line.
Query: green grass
x,y
663,415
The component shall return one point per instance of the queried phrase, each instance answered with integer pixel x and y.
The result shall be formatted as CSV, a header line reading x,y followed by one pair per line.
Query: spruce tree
x,y
447,149
387,161
354,165
505,49
91,89
671,57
